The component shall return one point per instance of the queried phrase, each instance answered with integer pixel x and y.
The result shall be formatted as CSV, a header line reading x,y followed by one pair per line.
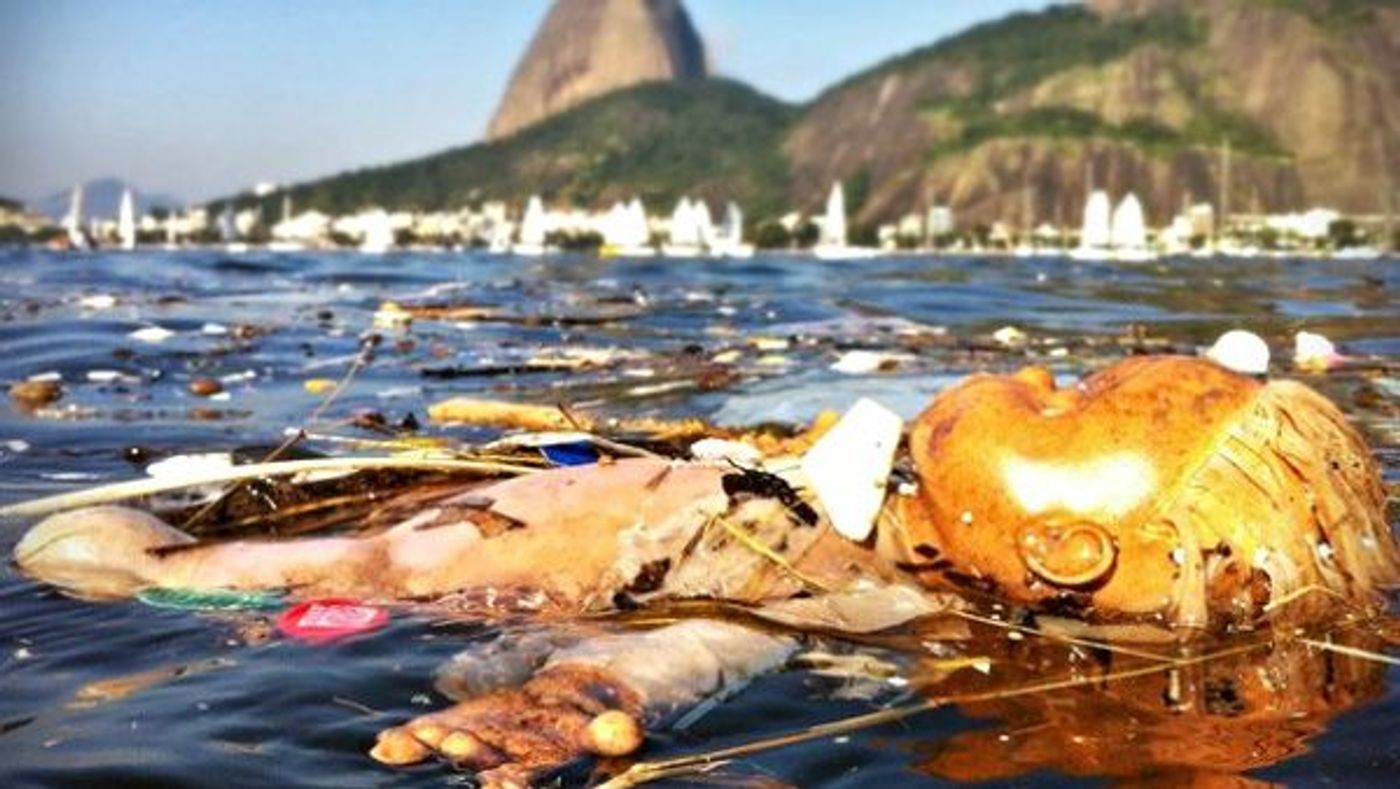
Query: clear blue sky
x,y
203,97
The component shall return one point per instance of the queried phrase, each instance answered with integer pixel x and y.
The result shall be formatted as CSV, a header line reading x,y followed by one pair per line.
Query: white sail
x,y
533,226
728,238
704,223
733,223
378,232
684,230
228,230
73,221
1096,232
834,222
126,220
638,233
1128,229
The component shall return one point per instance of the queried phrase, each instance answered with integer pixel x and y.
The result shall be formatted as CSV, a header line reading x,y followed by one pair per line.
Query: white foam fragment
x,y
110,377
1314,351
849,467
151,334
1241,351
861,362
547,438
1009,336
214,329
98,301
200,464
721,449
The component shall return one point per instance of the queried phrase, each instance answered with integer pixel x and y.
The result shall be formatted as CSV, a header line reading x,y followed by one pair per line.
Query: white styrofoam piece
x,y
850,465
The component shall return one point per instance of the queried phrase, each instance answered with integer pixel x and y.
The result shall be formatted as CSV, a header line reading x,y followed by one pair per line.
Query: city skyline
x,y
202,100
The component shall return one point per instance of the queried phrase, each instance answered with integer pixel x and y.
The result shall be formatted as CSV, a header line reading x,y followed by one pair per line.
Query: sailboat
x,y
228,231
378,232
1128,232
126,220
73,221
729,237
684,234
1095,234
533,229
626,232
832,245
284,232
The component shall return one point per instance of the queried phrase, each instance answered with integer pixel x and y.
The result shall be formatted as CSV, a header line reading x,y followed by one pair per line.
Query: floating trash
x,y
330,619
722,449
1241,351
860,362
98,301
193,466
580,453
850,466
211,599
1314,353
35,394
110,377
1009,336
205,387
151,334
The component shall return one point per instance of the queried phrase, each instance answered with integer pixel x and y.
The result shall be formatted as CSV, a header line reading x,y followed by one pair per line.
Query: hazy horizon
x,y
200,100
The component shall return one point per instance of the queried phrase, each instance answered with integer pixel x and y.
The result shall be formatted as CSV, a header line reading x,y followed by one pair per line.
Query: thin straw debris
x,y
121,491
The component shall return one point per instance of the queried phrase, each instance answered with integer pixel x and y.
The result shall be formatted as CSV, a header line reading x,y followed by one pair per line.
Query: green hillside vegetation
x,y
714,139
967,125
1021,50
1338,16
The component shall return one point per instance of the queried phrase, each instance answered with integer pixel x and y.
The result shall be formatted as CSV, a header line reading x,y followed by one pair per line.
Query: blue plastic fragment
x,y
578,453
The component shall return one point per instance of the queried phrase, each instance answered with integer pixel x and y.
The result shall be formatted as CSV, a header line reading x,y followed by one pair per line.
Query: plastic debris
x,y
330,619
392,315
543,439
861,362
98,301
211,599
727,357
35,394
1009,336
204,387
712,449
1315,353
769,343
580,453
471,411
318,386
151,334
1242,351
192,465
850,466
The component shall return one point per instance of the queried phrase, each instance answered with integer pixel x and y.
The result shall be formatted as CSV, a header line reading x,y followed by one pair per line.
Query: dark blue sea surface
x,y
734,341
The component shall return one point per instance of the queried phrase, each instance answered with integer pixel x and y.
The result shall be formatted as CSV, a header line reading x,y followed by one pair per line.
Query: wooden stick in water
x,y
121,491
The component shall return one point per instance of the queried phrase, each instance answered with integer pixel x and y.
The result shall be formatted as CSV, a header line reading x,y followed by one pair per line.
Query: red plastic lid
x,y
320,621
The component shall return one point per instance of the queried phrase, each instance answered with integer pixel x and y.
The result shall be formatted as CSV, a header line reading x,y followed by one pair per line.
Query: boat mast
x,y
1224,220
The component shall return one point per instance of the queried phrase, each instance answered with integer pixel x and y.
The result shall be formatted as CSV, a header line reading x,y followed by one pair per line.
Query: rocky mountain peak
x,y
587,48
